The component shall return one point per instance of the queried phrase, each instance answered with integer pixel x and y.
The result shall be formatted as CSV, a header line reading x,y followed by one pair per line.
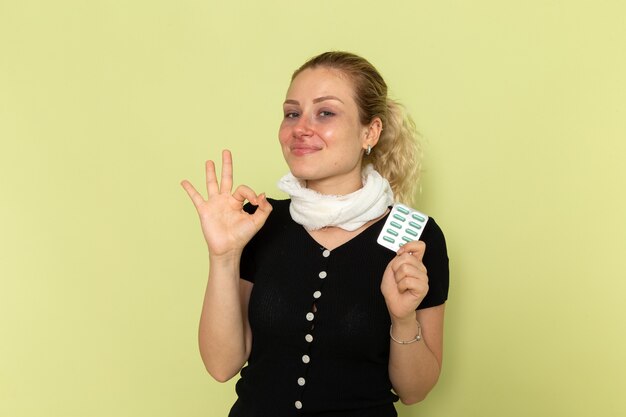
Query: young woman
x,y
329,322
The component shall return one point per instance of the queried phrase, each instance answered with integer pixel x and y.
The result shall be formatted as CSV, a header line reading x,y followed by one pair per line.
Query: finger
x,y
226,185
403,258
414,286
417,248
409,258
264,208
211,179
195,196
243,193
407,270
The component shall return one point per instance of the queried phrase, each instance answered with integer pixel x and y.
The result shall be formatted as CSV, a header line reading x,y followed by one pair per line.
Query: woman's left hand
x,y
405,281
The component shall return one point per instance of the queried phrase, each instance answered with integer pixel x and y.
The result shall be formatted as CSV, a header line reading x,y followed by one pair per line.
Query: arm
x,y
414,368
224,335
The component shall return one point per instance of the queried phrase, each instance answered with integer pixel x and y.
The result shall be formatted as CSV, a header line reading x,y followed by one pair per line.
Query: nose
x,y
302,127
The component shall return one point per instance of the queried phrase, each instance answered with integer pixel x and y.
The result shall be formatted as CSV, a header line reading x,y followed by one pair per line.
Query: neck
x,y
343,185
347,206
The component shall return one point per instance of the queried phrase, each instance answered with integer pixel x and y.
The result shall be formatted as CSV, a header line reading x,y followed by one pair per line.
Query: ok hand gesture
x,y
227,228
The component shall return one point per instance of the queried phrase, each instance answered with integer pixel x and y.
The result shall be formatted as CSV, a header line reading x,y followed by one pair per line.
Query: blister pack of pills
x,y
403,225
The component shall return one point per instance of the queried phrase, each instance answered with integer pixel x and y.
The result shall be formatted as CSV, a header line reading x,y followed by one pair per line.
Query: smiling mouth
x,y
303,150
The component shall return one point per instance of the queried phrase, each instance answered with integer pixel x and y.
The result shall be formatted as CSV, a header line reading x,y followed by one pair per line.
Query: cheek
x,y
283,133
328,133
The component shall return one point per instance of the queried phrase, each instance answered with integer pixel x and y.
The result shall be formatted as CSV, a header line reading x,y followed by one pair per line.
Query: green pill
x,y
415,225
411,232
418,217
398,217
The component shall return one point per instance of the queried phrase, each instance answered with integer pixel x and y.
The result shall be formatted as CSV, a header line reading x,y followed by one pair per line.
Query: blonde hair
x,y
397,156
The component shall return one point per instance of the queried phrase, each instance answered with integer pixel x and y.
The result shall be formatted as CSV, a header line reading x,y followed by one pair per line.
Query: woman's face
x,y
321,136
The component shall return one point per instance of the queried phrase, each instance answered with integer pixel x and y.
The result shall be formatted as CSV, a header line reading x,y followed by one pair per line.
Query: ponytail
x,y
398,154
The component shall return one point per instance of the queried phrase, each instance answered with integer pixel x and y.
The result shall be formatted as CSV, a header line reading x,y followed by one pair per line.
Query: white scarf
x,y
349,212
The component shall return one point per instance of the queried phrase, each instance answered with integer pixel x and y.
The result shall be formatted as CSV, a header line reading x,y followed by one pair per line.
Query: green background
x,y
106,105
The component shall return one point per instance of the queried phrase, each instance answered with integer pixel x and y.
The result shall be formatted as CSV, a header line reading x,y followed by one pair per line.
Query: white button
x,y
298,405
317,294
310,316
301,381
308,338
326,253
323,274
306,359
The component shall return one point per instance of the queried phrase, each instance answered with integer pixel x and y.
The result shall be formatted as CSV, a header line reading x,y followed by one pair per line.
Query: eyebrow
x,y
316,100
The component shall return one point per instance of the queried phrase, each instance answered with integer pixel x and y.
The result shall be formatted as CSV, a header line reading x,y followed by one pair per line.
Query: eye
x,y
291,114
326,113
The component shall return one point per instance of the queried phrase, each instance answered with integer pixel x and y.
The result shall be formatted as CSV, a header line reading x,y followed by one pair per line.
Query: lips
x,y
301,149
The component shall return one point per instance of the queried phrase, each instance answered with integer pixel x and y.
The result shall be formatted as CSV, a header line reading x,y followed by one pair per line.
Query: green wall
x,y
106,105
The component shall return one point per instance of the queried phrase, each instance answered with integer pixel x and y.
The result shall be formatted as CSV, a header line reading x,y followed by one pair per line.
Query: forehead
x,y
320,81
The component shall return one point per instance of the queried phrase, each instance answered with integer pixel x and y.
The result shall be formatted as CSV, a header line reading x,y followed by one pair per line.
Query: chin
x,y
302,174
301,166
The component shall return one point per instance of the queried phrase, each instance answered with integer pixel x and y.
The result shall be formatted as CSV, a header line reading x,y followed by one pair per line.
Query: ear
x,y
372,132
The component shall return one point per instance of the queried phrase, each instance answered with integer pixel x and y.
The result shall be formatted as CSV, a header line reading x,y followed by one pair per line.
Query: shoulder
x,y
436,249
279,207
437,264
278,218
433,234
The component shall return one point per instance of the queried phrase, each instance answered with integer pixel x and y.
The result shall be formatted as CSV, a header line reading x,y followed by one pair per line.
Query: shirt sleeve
x,y
436,262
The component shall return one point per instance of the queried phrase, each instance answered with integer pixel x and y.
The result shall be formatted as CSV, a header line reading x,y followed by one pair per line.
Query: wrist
x,y
226,260
405,331
404,322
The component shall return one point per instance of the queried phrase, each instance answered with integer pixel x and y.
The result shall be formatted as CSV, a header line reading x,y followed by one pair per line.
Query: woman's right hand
x,y
227,228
